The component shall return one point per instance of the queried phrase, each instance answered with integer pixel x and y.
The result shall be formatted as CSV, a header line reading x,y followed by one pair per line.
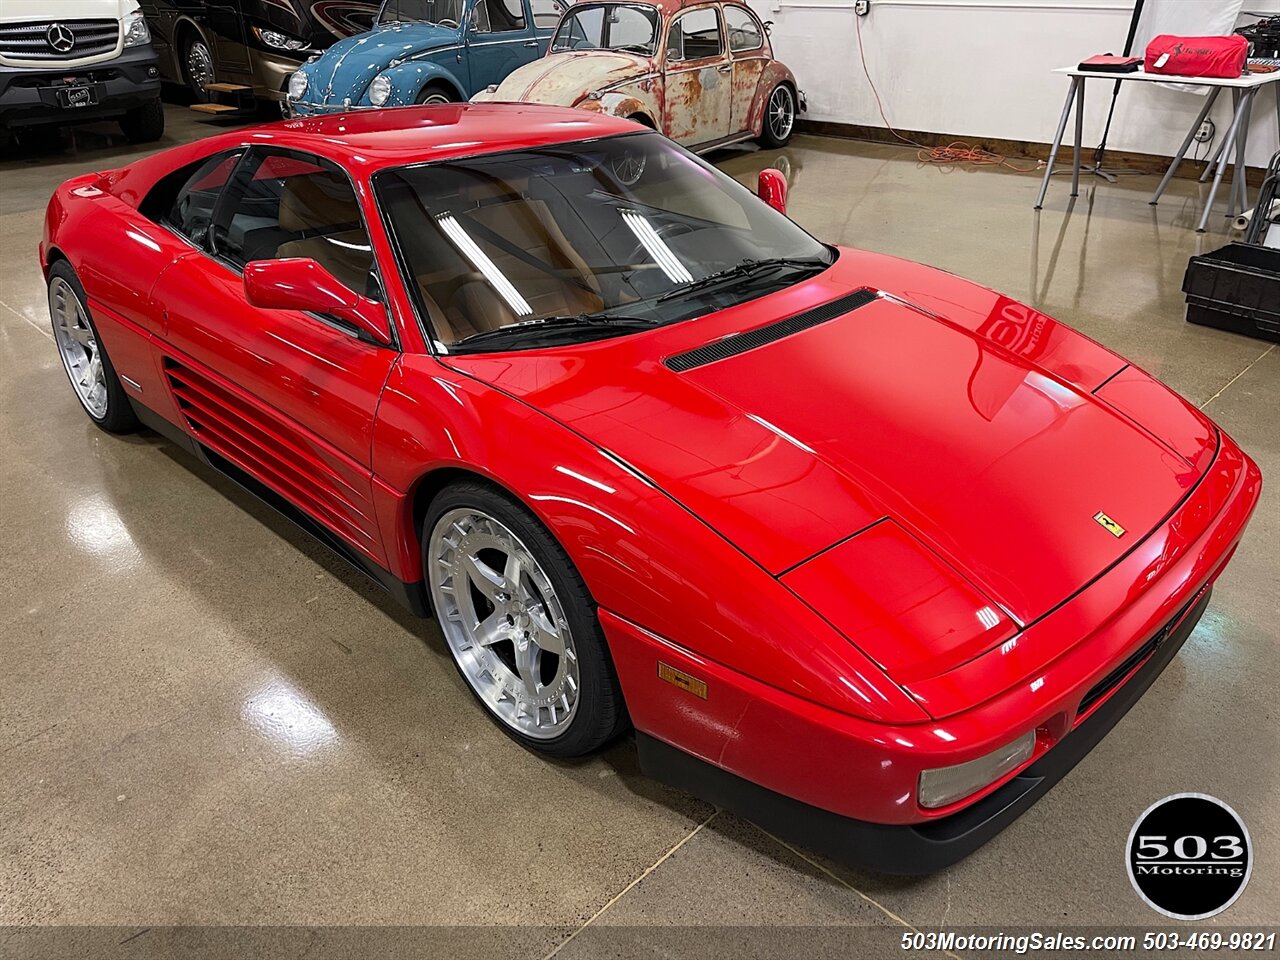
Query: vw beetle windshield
x,y
609,26
445,12
581,241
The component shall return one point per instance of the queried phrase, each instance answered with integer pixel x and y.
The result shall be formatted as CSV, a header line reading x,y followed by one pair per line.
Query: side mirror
x,y
772,189
302,284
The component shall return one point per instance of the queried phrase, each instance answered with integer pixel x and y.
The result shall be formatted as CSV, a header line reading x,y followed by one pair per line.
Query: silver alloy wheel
x,y
200,65
781,112
78,347
628,166
436,98
504,623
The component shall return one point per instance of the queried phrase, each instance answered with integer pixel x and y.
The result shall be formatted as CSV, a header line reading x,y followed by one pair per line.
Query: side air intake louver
x,y
742,342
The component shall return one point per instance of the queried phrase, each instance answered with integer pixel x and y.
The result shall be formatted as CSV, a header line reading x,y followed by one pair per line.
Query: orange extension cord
x,y
957,152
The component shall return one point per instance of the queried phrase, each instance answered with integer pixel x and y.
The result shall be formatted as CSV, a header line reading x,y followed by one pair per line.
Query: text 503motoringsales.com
x,y
1040,941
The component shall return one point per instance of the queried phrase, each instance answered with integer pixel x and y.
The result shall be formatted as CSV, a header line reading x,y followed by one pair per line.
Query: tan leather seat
x,y
471,305
318,204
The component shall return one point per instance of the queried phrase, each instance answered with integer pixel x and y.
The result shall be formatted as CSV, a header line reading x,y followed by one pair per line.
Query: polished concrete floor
x,y
207,720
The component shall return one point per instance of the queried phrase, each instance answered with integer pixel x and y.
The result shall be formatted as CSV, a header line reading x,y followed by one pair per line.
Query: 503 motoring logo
x,y
1189,856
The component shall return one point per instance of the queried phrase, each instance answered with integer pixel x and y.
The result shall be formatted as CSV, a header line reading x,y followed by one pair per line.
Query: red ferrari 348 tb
x,y
866,552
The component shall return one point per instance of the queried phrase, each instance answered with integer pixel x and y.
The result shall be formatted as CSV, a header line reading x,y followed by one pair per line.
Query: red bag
x,y
1197,56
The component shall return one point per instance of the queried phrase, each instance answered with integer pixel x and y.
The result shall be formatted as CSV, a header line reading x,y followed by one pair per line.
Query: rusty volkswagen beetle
x,y
701,73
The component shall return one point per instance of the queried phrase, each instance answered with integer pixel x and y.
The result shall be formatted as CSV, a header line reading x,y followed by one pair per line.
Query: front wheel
x,y
434,93
144,124
84,357
197,67
779,117
519,622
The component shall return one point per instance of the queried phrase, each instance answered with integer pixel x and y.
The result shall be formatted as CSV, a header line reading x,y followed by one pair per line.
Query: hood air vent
x,y
742,342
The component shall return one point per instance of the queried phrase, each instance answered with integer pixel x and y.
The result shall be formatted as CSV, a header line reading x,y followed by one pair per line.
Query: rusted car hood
x,y
565,78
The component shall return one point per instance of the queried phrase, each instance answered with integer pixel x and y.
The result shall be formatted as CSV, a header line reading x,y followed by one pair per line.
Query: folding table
x,y
1243,91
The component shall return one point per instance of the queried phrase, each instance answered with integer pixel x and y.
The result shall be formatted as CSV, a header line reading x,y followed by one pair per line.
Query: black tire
x,y
601,714
436,93
144,124
192,43
118,416
771,135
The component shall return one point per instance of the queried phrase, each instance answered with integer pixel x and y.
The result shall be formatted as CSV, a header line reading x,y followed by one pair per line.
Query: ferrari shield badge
x,y
1108,524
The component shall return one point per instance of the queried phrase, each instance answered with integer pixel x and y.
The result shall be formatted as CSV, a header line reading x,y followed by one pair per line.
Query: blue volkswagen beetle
x,y
424,51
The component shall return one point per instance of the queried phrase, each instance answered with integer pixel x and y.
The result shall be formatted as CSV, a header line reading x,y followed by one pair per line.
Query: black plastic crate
x,y
1236,288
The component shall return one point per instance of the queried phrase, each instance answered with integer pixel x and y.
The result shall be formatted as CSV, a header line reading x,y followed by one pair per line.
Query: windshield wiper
x,y
542,324
744,271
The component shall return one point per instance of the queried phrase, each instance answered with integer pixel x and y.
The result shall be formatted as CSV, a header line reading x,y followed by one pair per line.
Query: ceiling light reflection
x,y
284,716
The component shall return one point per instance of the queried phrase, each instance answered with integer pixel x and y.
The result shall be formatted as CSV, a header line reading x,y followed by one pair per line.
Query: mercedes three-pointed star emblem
x,y
60,37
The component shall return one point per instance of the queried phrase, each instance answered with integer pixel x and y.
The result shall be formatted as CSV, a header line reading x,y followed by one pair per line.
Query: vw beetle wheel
x,y
433,94
519,622
779,117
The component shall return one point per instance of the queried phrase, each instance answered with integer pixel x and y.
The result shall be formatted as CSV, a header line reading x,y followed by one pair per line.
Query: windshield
x,y
446,12
584,240
609,26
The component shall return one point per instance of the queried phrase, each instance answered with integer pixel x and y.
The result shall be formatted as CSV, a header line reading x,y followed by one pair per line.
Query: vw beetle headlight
x,y
136,32
297,85
379,90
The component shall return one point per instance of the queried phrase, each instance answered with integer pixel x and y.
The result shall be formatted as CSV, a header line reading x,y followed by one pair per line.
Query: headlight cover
x,y
946,785
297,85
136,32
278,40
379,90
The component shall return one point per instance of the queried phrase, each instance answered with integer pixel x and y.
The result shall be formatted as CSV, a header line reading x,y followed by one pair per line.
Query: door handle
x,y
531,43
726,68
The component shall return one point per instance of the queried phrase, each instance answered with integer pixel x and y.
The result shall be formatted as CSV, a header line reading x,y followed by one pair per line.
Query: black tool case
x,y
1237,288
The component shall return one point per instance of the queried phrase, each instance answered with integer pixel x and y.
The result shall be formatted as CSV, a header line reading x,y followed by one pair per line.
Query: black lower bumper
x,y
31,96
916,848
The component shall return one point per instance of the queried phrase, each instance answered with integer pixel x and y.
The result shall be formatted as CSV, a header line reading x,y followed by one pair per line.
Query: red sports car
x,y
863,551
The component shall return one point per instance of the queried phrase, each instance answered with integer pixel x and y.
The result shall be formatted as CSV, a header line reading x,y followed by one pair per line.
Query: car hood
x,y
968,421
347,68
565,78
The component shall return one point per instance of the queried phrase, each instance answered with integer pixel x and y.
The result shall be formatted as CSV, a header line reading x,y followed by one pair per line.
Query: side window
x,y
191,211
284,205
695,36
546,13
499,16
743,28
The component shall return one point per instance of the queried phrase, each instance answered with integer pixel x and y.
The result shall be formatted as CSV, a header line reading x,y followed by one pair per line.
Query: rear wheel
x,y
779,117
144,124
520,623
434,93
84,357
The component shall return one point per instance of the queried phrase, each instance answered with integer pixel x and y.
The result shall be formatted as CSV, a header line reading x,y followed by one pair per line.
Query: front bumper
x,y
301,108
271,73
29,96
847,786
911,849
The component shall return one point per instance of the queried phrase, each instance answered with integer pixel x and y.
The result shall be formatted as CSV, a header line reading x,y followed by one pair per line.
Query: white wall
x,y
981,68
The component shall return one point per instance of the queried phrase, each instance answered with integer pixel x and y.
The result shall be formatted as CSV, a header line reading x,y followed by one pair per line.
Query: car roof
x,y
367,140
665,7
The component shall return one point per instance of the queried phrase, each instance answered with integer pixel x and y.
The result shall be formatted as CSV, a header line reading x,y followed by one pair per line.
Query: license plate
x,y
77,97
